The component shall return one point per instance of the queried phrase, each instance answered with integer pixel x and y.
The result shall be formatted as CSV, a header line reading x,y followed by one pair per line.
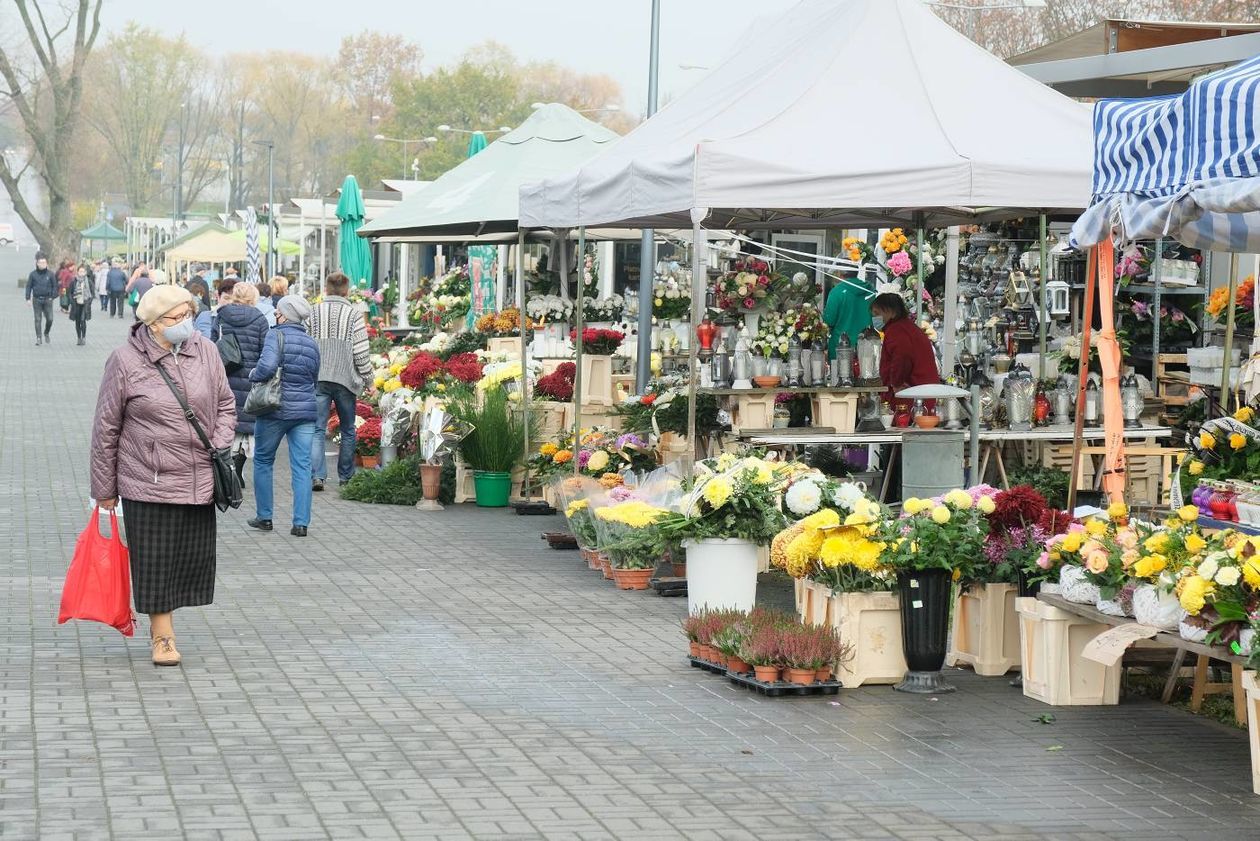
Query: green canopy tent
x,y
101,232
356,253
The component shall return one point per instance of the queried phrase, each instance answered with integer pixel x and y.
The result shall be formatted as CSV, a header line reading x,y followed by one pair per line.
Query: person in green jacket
x,y
847,310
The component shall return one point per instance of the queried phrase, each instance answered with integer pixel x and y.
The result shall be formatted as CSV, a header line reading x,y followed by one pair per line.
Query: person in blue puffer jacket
x,y
294,420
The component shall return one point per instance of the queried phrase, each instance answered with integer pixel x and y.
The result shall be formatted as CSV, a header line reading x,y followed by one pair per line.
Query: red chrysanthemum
x,y
369,430
1021,506
558,385
363,410
1055,522
422,366
464,367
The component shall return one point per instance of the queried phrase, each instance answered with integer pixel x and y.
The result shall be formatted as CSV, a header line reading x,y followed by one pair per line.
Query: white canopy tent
x,y
840,113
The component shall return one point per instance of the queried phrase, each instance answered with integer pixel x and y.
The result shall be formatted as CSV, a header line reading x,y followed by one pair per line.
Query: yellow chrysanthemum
x,y
940,515
1237,441
1117,510
778,546
986,505
717,491
1193,594
1095,527
959,498
824,519
548,449
1251,572
576,506
392,385
804,547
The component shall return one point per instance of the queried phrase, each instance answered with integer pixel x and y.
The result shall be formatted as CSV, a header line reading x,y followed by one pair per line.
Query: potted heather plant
x,y
729,642
933,544
760,649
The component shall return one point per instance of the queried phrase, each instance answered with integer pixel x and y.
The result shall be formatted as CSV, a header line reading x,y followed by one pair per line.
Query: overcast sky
x,y
594,36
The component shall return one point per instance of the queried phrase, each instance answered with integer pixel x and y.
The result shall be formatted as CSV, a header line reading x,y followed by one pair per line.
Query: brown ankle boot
x,y
164,653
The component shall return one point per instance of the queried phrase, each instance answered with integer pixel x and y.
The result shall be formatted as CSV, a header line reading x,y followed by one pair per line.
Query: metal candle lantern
x,y
1062,403
743,362
1020,393
807,367
1092,404
844,361
868,413
869,348
1131,401
988,400
721,366
794,363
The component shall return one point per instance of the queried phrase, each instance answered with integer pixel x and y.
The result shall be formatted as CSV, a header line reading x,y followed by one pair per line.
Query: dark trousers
x,y
104,301
326,394
43,308
79,313
116,304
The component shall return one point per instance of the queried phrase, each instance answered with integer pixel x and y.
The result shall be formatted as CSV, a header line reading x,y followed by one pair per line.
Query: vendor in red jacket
x,y
907,357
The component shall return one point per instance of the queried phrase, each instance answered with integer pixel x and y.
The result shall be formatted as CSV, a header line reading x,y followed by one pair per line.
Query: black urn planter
x,y
925,598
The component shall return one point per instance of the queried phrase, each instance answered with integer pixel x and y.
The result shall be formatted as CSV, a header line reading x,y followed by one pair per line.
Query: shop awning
x,y
102,230
1184,166
839,113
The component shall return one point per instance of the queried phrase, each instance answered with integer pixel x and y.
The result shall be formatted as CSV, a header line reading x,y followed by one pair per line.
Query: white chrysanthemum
x,y
847,495
803,498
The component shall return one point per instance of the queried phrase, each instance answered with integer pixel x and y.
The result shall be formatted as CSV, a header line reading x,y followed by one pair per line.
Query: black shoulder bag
x,y
229,348
227,488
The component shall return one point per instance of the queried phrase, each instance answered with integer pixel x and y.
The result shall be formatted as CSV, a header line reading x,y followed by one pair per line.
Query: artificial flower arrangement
x,y
545,309
671,295
1139,322
1070,352
944,534
774,335
1100,553
857,250
507,322
443,302
1134,264
598,341
1223,450
740,502
1244,304
901,259
752,284
805,322
603,309
604,451
1222,591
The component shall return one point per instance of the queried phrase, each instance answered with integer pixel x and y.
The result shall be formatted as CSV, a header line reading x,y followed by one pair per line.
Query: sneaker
x,y
38,341
164,652
317,485
342,483
261,525
298,531
47,339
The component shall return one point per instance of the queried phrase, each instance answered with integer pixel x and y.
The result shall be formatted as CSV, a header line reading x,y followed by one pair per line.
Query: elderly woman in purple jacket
x,y
144,451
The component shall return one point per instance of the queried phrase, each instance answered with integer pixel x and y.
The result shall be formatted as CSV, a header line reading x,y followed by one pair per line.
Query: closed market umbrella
x,y
356,254
476,143
253,256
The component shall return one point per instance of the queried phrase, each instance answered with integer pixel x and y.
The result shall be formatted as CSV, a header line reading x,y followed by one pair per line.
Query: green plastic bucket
x,y
493,489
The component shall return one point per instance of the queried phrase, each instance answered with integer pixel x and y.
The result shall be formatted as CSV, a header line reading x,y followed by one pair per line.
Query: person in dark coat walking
x,y
41,291
116,287
294,420
241,319
82,293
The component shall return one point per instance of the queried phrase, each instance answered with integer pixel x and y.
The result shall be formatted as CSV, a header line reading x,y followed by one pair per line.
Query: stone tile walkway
x,y
411,676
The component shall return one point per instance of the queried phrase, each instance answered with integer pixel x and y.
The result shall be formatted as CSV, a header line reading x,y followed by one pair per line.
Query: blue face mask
x,y
179,333
877,321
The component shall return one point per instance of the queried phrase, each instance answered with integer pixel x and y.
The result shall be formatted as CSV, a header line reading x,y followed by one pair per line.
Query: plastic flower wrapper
x,y
625,528
440,434
398,412
579,496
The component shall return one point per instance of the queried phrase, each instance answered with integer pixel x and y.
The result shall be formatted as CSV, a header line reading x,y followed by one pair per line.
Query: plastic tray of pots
x,y
774,682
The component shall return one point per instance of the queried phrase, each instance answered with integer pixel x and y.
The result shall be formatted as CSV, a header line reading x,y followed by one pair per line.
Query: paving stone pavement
x,y
446,676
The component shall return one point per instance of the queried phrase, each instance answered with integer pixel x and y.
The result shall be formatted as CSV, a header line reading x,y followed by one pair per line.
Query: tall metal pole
x,y
922,270
520,309
179,168
699,260
271,210
647,257
1043,314
404,175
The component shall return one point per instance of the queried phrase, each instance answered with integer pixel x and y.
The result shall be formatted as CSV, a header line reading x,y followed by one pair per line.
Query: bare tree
x,y
368,66
49,123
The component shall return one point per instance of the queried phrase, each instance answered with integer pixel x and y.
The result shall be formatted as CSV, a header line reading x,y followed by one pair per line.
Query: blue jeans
x,y
267,436
327,393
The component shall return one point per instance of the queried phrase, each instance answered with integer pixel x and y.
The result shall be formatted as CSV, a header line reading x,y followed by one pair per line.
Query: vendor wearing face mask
x,y
907,357
146,452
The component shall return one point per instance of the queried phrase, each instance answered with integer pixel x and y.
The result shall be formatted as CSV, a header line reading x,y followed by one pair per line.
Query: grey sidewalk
x,y
400,675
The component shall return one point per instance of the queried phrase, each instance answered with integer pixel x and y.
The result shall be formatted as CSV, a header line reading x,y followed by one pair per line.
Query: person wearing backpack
x,y
239,330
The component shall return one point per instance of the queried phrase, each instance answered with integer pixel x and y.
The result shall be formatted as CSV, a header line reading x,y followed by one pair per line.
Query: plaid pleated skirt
x,y
172,554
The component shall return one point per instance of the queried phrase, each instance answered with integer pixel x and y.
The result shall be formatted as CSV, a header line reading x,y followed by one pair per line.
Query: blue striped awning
x,y
1185,166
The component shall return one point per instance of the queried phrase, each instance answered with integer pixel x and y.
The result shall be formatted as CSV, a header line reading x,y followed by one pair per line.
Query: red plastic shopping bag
x,y
98,584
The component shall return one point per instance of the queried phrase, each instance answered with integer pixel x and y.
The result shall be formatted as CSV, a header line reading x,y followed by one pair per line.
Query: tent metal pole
x,y
525,395
699,282
1087,323
918,296
1229,331
647,257
949,341
1043,305
577,346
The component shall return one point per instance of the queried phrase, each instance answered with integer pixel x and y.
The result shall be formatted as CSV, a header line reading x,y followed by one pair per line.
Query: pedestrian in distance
x,y
146,453
41,291
205,318
237,319
279,288
65,276
82,295
344,370
265,306
199,290
138,284
292,355
116,288
97,272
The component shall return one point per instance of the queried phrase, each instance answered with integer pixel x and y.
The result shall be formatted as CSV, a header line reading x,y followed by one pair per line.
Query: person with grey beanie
x,y
289,353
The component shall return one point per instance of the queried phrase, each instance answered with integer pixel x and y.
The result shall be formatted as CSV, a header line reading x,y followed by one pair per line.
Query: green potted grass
x,y
495,445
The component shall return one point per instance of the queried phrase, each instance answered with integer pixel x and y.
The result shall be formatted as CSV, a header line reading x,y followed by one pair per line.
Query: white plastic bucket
x,y
721,573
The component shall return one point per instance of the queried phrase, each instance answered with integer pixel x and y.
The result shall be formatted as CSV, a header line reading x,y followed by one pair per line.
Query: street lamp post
x,y
271,202
179,165
416,165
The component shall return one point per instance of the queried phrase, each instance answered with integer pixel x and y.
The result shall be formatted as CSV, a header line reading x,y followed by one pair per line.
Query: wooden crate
x,y
508,345
597,380
1054,672
813,602
753,411
986,629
